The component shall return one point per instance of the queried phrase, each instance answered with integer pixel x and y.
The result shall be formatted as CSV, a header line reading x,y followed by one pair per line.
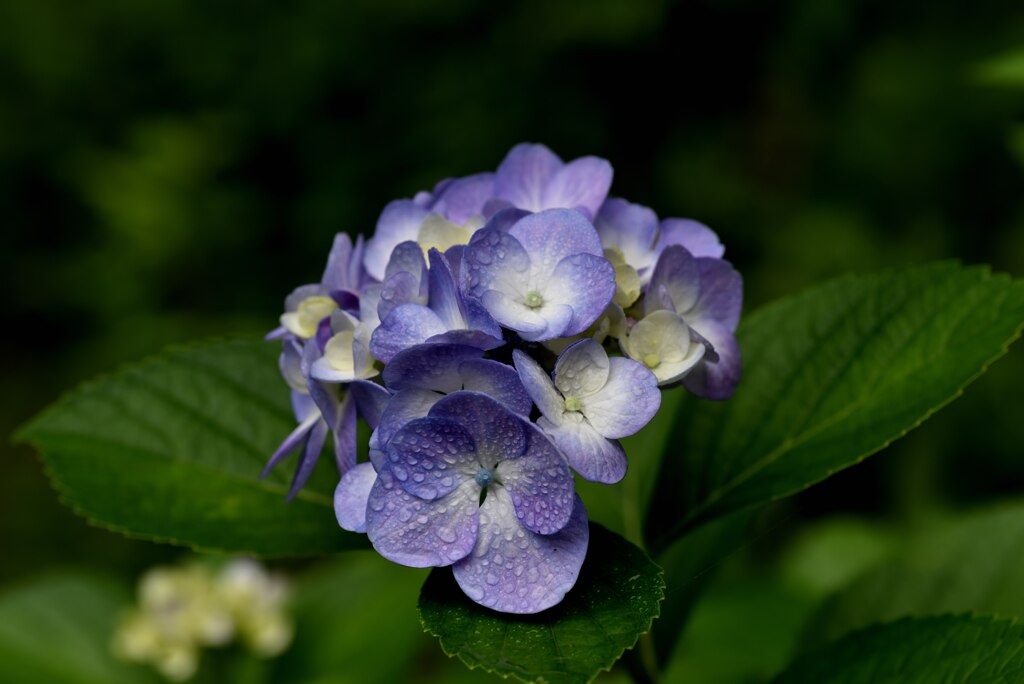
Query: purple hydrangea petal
x,y
327,399
464,197
552,235
344,265
347,300
375,452
400,288
523,175
582,369
351,495
497,432
539,386
290,365
721,295
591,455
516,571
717,380
407,257
630,228
371,399
303,406
495,206
502,215
308,458
344,431
581,184
429,366
369,304
410,531
405,406
677,275
495,259
291,442
479,319
469,338
278,333
430,457
497,380
445,298
405,326
626,403
698,239
540,485
400,221
584,282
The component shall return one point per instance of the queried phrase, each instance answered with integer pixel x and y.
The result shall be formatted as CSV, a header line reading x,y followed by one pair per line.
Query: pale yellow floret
x,y
661,341
572,404
338,352
303,321
440,233
627,282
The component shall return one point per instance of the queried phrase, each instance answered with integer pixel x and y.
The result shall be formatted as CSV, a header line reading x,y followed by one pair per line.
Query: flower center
x,y
533,299
484,477
652,360
572,404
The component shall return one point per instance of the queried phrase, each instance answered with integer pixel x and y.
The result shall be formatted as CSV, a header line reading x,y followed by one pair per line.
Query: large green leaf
x,y
614,601
832,376
949,648
171,450
57,630
973,564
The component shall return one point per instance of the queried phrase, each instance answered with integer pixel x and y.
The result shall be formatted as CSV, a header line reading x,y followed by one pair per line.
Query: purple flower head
x,y
592,401
703,295
307,305
520,550
458,475
448,317
532,177
544,278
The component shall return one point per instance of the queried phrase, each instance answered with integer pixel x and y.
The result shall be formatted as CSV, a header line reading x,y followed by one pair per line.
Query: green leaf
x,y
832,376
171,450
355,623
71,617
950,648
614,601
973,564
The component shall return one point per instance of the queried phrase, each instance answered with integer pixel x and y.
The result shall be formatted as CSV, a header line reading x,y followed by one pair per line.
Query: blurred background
x,y
169,170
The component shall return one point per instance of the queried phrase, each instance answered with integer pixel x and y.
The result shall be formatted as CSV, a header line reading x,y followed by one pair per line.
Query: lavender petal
x,y
351,496
410,531
516,571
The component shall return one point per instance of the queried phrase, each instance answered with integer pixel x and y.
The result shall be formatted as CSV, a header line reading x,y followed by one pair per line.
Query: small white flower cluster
x,y
182,610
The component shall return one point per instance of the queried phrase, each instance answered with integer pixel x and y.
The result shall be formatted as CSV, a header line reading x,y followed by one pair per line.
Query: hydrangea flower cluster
x,y
498,334
182,610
